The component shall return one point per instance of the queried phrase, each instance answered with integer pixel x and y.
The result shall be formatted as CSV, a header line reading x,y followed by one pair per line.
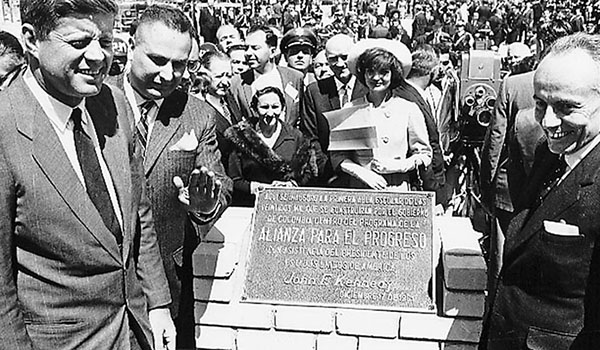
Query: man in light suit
x,y
261,45
178,134
548,292
327,95
76,271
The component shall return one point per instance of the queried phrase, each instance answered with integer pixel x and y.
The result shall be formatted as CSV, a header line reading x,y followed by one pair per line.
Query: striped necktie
x,y
226,112
142,125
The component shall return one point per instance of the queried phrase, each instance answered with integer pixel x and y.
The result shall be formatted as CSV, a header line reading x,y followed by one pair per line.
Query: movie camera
x,y
479,83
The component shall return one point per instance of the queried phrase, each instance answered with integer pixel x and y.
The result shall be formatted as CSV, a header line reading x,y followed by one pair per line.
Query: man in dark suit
x,y
425,61
177,133
261,45
548,292
216,66
327,95
76,271
209,22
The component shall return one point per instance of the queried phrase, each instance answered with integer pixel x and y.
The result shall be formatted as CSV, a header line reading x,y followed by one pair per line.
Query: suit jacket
x,y
64,281
181,116
222,124
209,24
293,90
320,97
433,176
323,96
548,292
510,143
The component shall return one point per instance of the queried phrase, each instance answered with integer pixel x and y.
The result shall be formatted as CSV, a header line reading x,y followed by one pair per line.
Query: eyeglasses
x,y
334,59
193,66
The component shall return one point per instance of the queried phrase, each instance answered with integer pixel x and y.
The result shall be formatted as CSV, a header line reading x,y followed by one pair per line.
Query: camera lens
x,y
484,117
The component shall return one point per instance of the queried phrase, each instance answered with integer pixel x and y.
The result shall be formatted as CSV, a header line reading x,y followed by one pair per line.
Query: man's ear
x,y
30,39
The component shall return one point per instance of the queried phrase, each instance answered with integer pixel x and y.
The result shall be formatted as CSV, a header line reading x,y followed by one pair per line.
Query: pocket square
x,y
188,142
561,228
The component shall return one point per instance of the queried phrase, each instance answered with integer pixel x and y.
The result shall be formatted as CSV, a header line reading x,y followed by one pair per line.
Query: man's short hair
x,y
579,41
424,61
271,38
43,15
170,16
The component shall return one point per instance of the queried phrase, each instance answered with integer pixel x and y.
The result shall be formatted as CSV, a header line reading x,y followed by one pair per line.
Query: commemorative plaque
x,y
341,247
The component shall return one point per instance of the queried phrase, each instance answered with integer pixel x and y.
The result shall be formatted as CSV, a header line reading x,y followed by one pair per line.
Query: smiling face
x,y
568,100
336,51
220,77
159,60
269,108
75,57
378,80
258,53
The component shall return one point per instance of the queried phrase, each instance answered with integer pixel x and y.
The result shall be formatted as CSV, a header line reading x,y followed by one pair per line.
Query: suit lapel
x,y
115,151
52,159
166,125
559,199
328,88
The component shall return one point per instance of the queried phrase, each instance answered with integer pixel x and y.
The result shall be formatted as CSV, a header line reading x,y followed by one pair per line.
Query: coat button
x,y
385,139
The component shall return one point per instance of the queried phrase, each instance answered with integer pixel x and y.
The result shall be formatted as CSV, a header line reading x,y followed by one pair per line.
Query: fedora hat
x,y
396,48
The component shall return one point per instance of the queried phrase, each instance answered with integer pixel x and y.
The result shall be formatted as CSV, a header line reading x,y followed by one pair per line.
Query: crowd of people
x,y
118,153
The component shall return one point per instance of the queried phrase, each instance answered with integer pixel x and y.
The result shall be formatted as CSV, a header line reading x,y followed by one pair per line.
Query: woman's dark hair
x,y
264,91
378,59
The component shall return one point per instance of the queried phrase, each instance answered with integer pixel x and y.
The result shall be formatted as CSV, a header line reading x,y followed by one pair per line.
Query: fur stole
x,y
302,167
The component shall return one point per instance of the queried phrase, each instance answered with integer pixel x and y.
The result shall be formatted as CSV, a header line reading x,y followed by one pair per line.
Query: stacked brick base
x,y
223,322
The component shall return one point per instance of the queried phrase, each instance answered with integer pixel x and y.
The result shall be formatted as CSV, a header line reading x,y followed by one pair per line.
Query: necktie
x,y
226,112
553,178
92,175
142,125
344,95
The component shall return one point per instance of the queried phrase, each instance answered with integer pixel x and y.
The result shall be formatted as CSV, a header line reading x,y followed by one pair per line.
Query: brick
x,y
208,289
260,340
369,323
395,344
459,346
234,315
465,272
299,318
458,235
215,338
215,259
336,342
463,303
433,327
231,227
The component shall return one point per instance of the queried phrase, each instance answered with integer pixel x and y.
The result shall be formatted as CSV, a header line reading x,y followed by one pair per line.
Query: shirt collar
x,y
58,112
349,85
418,88
136,100
574,158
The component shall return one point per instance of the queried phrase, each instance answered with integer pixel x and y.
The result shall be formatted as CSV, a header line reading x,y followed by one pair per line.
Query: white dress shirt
x,y
59,115
345,90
